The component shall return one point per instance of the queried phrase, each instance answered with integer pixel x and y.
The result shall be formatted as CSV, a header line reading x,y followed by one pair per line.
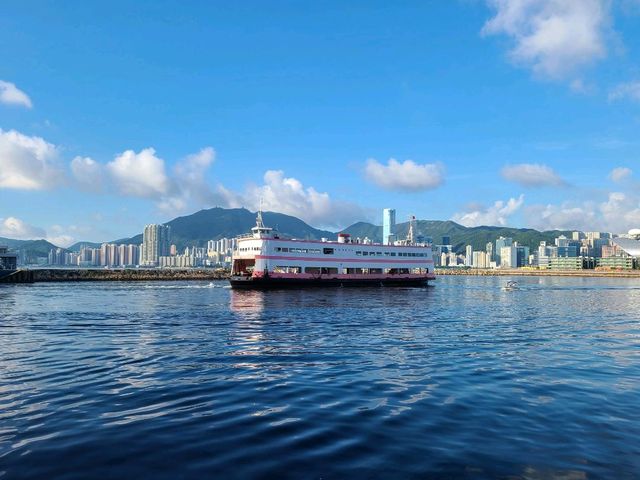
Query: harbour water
x,y
194,380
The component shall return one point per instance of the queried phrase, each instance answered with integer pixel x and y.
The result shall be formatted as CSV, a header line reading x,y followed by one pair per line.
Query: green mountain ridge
x,y
461,236
28,250
215,223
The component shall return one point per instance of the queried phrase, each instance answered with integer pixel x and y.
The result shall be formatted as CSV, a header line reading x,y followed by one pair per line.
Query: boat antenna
x,y
259,222
411,234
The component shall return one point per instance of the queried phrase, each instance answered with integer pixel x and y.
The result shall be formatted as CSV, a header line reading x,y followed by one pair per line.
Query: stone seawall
x,y
125,275
540,273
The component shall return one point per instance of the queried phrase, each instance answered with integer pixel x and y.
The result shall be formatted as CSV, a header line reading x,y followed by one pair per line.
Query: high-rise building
x,y
468,259
155,244
509,257
480,260
489,250
500,244
388,226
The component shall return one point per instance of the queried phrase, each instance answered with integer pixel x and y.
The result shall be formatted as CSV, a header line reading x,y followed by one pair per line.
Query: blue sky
x,y
503,112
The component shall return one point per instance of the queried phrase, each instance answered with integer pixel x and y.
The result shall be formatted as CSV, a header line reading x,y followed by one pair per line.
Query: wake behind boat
x,y
263,259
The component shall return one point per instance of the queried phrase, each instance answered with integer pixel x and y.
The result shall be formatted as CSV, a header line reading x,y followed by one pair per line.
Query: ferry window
x,y
379,254
358,253
327,251
278,249
365,253
393,254
285,249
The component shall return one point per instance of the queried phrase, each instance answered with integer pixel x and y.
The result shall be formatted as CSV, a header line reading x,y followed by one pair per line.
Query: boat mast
x,y
411,234
259,222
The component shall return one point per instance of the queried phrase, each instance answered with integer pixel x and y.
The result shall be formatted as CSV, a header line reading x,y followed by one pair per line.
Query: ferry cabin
x,y
263,254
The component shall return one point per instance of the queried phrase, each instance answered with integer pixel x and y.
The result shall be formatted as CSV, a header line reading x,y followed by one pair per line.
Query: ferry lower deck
x,y
274,281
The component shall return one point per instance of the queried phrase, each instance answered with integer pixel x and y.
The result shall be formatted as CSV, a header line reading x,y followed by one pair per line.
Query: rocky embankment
x,y
125,275
539,273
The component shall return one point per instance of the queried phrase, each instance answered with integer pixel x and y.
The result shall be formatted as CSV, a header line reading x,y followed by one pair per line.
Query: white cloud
x,y
531,175
406,176
496,215
618,213
12,95
139,174
27,163
12,227
288,195
555,38
89,173
619,174
630,90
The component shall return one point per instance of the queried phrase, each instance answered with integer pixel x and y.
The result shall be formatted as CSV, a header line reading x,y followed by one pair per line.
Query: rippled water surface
x,y
194,380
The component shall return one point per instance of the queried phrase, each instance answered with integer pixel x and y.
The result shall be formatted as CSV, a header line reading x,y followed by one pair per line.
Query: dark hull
x,y
264,283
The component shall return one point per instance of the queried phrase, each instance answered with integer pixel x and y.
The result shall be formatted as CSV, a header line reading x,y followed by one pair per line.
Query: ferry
x,y
263,259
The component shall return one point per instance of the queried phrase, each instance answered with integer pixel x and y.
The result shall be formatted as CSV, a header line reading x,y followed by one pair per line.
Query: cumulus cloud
x,y
88,173
618,213
555,38
497,214
12,95
630,90
139,174
407,176
27,163
288,195
144,175
531,175
619,174
12,227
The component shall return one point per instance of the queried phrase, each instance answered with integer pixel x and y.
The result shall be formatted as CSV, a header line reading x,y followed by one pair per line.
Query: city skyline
x,y
330,114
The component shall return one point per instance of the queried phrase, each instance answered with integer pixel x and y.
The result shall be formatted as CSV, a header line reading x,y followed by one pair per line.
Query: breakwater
x,y
124,275
540,273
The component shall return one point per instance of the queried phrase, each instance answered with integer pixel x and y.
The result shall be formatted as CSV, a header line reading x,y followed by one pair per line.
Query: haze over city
x,y
117,115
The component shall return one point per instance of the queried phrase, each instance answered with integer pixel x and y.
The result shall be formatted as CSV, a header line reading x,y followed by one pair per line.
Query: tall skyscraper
x,y
388,226
155,243
501,243
468,259
489,250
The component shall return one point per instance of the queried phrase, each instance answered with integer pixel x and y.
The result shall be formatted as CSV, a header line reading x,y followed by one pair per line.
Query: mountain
x,y
28,250
460,235
216,223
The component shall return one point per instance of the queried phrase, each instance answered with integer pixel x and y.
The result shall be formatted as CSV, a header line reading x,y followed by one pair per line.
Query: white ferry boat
x,y
263,259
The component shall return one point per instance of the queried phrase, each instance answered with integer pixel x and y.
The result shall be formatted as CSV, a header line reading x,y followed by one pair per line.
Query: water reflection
x,y
459,380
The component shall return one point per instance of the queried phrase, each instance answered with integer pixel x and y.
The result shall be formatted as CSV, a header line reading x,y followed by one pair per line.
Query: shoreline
x,y
540,273
42,275
122,275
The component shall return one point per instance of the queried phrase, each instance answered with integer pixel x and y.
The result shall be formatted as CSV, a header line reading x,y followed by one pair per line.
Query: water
x,y
193,380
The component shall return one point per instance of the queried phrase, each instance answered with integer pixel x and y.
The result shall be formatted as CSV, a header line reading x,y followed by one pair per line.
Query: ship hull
x,y
267,282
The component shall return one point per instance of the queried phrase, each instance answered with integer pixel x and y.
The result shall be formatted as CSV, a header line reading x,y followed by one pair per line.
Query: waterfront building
x,y
480,260
509,257
155,244
566,263
616,263
500,243
522,255
8,260
468,259
489,250
388,226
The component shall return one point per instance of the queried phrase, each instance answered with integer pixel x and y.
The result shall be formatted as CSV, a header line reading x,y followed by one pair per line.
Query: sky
x,y
523,113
